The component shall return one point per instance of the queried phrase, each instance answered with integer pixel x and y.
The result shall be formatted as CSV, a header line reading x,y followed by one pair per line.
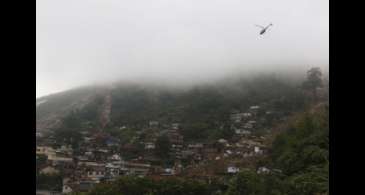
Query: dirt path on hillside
x,y
105,113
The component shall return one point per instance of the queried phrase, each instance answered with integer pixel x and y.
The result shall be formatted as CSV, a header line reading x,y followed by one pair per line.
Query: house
x,y
246,115
238,145
222,141
174,137
66,189
56,160
96,172
197,157
248,125
39,134
65,149
254,107
168,171
89,153
175,125
247,154
90,164
153,123
149,146
257,150
232,169
263,170
210,152
49,170
185,154
101,154
111,141
195,146
175,150
139,169
87,139
252,122
45,150
237,117
115,157
242,132
112,170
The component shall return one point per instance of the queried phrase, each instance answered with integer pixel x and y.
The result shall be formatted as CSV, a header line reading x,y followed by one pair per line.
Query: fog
x,y
175,41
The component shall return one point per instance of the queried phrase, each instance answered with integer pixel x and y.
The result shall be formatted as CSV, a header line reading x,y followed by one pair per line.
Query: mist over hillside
x,y
134,102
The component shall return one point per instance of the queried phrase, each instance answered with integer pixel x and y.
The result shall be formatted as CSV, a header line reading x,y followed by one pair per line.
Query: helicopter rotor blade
x,y
267,27
259,26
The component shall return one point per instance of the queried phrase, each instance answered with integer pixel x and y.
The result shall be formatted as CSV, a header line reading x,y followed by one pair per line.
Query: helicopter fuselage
x,y
264,29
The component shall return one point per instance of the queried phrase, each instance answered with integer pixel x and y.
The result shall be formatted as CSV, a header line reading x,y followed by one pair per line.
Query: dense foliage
x,y
145,186
301,155
49,182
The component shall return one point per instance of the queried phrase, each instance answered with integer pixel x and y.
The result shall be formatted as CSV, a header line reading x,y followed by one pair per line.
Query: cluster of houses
x,y
93,162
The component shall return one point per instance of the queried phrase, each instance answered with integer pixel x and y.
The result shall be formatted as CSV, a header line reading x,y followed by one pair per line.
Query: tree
x,y
314,80
146,186
302,154
40,160
246,183
49,182
163,147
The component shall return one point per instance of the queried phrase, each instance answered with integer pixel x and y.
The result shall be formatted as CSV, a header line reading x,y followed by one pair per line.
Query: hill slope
x,y
135,105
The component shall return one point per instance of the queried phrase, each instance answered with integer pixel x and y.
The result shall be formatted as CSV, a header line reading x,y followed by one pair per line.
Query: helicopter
x,y
264,28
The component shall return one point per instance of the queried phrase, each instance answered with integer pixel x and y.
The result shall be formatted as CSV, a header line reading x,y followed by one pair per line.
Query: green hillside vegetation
x,y
58,102
301,153
202,111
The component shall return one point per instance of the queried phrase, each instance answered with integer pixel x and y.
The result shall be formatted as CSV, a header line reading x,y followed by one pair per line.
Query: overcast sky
x,y
81,42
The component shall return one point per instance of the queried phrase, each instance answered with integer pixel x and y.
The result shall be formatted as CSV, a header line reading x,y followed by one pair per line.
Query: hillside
x,y
51,109
231,133
298,165
135,105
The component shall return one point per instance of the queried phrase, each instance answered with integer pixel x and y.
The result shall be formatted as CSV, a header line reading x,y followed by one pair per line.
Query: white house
x,y
228,151
242,132
153,123
149,146
169,171
263,170
232,169
222,141
44,150
49,170
246,115
66,189
175,125
116,157
196,145
59,160
254,107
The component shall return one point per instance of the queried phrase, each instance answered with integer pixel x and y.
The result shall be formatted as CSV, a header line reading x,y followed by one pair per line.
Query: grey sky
x,y
88,41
